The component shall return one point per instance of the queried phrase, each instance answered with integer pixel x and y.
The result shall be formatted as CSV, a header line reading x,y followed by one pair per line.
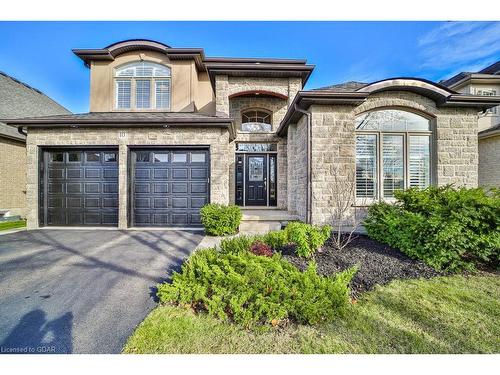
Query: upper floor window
x,y
488,92
143,85
256,121
392,153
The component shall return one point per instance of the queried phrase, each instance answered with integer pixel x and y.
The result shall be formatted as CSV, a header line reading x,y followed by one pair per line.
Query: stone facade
x,y
454,152
13,176
233,107
216,139
489,162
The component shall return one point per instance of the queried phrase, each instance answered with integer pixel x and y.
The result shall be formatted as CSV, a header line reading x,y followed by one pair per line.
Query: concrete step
x,y
267,215
259,227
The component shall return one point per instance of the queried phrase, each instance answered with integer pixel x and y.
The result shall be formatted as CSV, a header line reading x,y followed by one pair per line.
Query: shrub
x,y
307,238
220,220
249,289
449,229
262,249
276,239
237,244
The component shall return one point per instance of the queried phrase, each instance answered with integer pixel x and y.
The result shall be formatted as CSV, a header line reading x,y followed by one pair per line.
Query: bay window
x,y
143,85
392,153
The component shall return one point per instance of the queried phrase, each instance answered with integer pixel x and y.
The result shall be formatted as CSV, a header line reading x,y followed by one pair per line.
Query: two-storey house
x,y
170,129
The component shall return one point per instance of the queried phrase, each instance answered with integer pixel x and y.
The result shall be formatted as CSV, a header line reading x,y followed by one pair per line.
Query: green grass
x,y
455,314
12,224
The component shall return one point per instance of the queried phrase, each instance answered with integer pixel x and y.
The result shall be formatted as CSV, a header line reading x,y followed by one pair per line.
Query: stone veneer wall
x,y
217,139
227,86
13,176
489,162
297,171
455,149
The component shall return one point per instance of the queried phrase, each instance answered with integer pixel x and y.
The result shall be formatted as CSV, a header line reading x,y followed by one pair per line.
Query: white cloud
x,y
461,45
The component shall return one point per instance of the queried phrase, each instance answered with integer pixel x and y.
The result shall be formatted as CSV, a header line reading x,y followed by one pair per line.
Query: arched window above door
x,y
256,121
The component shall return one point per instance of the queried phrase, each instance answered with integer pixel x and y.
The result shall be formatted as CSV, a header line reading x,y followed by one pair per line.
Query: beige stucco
x,y
215,138
13,176
191,90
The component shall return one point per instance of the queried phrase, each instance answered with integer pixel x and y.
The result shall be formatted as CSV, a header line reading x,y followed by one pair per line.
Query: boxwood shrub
x,y
449,229
250,289
220,220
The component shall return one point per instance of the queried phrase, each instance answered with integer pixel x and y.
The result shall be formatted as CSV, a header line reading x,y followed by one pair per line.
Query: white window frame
x,y
133,88
379,195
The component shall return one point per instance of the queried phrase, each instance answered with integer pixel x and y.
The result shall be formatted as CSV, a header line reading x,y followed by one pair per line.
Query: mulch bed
x,y
378,263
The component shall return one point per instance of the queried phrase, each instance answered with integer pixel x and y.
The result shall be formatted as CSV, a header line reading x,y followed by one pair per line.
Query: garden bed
x,y
378,263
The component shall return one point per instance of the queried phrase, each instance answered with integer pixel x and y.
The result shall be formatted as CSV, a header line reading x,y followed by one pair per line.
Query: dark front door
x,y
169,186
80,187
256,180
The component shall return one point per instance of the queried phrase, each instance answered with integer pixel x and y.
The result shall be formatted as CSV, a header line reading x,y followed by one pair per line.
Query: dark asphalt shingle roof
x,y
127,116
344,87
18,100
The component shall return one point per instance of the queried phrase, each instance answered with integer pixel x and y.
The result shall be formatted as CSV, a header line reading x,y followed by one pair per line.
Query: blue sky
x,y
39,53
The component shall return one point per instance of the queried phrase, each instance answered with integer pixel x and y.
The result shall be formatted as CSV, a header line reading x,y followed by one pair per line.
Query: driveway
x,y
82,291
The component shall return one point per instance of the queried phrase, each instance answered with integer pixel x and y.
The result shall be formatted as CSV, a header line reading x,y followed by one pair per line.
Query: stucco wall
x,y
13,176
454,154
190,90
489,162
486,120
217,139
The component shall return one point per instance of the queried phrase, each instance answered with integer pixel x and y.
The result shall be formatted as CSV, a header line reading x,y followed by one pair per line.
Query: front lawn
x,y
12,224
456,314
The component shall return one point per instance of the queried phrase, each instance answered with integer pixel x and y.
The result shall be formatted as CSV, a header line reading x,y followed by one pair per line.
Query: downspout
x,y
21,131
309,158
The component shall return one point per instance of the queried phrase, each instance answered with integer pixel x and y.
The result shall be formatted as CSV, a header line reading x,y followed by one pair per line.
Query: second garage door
x,y
169,186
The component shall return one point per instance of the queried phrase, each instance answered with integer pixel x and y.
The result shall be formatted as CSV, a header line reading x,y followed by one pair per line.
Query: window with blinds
x,y
393,164
149,82
419,163
366,166
142,94
123,91
162,94
393,151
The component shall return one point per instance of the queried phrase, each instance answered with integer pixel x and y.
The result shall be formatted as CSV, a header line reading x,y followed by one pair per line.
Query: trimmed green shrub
x,y
307,238
237,244
220,220
449,229
248,289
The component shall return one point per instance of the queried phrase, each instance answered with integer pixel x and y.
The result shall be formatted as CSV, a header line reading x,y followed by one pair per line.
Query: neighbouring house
x,y
18,100
486,82
170,130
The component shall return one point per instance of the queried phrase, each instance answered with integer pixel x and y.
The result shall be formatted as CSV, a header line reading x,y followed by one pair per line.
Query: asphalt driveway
x,y
82,291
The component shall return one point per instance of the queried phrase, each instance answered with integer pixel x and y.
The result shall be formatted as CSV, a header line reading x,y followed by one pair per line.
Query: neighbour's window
x,y
143,85
256,121
392,153
485,92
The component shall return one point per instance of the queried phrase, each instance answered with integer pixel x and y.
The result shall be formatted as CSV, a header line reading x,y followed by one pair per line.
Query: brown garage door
x,y
80,187
169,186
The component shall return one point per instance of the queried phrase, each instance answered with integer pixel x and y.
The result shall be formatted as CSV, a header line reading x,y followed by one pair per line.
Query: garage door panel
x,y
82,188
160,174
141,187
176,182
92,173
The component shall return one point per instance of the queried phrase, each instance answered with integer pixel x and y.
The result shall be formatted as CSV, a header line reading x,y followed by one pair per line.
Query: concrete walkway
x,y
82,291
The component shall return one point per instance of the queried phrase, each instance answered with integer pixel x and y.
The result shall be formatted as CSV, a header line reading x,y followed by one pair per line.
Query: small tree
x,y
345,222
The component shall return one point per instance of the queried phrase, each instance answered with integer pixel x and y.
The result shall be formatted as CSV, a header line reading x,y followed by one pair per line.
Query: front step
x,y
262,221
